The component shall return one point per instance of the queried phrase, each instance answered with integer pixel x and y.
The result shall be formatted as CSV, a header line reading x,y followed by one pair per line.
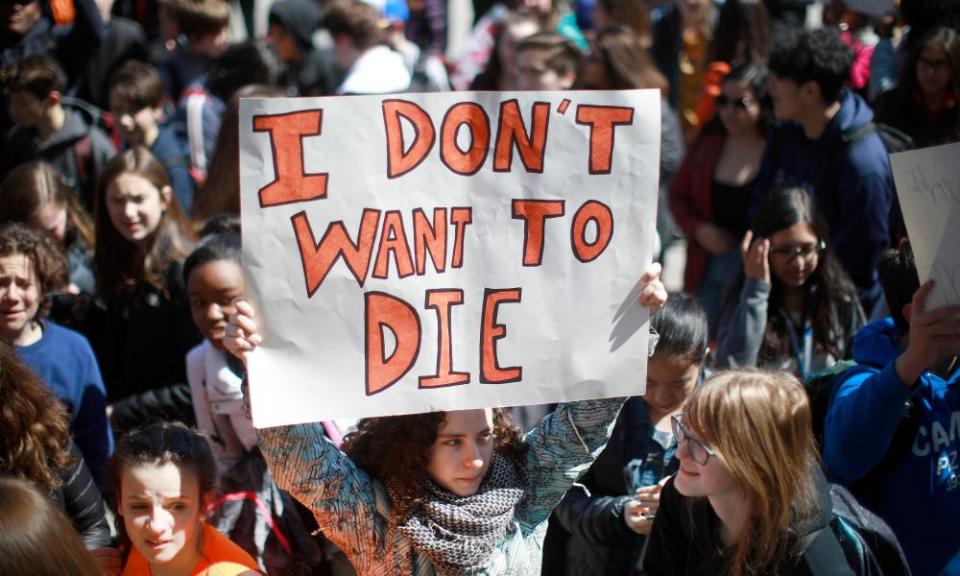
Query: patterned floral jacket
x,y
353,509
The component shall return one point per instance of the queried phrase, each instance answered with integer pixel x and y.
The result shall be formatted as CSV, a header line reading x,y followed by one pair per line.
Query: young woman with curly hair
x,y
31,268
440,493
35,446
749,487
406,458
142,240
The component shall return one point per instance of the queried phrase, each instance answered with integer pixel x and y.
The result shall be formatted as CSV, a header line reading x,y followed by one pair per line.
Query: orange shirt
x,y
219,557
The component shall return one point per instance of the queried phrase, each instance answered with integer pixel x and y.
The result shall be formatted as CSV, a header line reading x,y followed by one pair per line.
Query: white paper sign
x,y
928,185
446,251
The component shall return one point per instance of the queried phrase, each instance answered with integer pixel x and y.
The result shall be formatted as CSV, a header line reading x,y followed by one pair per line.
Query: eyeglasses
x,y
800,250
928,63
740,103
699,451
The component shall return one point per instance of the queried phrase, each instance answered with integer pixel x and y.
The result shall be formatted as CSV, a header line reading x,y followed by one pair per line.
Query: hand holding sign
x,y
241,336
934,336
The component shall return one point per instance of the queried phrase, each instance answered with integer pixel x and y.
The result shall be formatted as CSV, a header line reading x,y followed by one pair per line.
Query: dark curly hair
x,y
34,425
393,449
814,56
47,260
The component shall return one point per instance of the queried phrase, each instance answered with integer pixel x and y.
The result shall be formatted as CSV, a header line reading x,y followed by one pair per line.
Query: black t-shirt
x,y
731,205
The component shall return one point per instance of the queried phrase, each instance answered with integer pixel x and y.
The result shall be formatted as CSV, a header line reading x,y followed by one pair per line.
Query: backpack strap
x,y
854,136
262,510
822,553
866,488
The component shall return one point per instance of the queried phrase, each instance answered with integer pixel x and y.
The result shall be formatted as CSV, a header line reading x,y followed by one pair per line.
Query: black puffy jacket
x,y
79,498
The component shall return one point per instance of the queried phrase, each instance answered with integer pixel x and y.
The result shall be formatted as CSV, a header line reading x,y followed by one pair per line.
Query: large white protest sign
x,y
928,185
446,251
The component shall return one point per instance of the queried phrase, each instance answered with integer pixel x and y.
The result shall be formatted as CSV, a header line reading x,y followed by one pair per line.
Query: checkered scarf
x,y
459,534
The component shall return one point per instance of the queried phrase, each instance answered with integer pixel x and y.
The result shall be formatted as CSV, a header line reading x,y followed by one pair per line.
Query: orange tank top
x,y
219,557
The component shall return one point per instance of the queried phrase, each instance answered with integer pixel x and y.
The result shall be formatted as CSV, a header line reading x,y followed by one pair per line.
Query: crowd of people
x,y
801,412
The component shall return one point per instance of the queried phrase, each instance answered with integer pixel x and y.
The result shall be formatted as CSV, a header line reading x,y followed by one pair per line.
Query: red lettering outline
x,y
603,137
388,299
391,126
603,216
540,210
291,183
437,242
358,261
393,234
445,375
507,140
460,223
450,153
494,374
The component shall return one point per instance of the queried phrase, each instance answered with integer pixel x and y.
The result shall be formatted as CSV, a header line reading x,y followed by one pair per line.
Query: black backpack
x,y
894,140
855,540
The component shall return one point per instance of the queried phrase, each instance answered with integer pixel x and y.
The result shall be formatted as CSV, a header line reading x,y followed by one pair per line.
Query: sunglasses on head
x,y
740,103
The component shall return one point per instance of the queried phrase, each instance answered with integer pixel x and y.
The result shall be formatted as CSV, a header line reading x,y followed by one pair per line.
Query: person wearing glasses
x,y
438,493
795,308
824,143
608,513
711,192
749,486
924,102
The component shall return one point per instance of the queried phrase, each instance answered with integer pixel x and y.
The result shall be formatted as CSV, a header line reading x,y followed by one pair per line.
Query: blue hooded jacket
x,y
920,496
852,185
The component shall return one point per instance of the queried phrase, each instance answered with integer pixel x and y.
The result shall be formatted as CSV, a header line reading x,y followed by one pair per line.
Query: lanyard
x,y
803,350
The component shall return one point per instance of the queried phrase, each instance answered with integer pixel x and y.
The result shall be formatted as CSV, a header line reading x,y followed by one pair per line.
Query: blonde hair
x,y
759,423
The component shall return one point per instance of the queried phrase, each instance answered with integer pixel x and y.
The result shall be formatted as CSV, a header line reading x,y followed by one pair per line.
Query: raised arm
x,y
868,404
565,443
342,497
561,448
742,326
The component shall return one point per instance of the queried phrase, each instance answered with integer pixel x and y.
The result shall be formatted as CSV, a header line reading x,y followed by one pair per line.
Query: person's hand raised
x,y
756,257
653,294
934,337
241,334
